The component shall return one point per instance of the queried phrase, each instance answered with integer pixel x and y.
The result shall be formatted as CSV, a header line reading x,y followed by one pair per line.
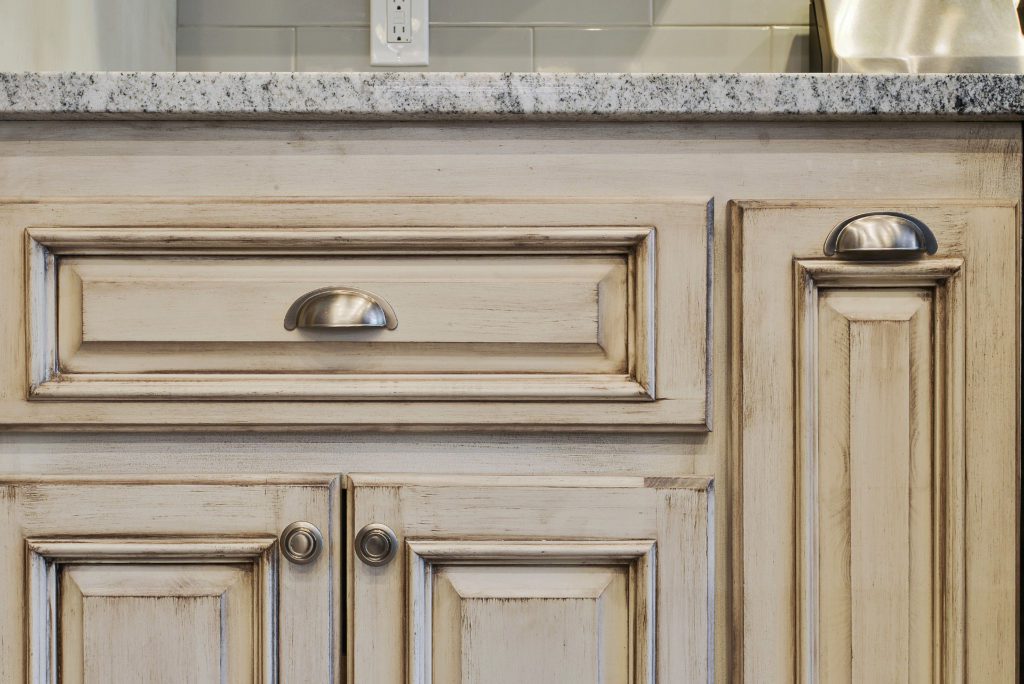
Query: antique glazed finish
x,y
618,416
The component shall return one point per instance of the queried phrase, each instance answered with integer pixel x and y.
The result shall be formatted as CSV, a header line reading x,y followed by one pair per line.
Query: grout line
x,y
533,49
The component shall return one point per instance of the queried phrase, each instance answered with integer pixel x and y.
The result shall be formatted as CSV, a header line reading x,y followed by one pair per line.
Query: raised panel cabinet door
x,y
876,410
530,579
169,581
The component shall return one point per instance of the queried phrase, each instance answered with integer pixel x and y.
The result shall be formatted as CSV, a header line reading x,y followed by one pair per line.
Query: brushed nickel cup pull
x,y
881,235
340,307
376,544
302,543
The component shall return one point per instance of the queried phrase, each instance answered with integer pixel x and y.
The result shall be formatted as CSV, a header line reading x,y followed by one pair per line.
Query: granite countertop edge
x,y
507,96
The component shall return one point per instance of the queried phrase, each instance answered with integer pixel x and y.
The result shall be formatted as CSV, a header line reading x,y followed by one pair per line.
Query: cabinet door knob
x,y
340,307
881,235
376,544
302,543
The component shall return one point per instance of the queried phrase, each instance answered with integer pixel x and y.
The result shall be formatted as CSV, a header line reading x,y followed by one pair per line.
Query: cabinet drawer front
x,y
582,313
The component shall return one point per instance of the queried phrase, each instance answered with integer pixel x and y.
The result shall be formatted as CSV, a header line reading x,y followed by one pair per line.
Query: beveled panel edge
x,y
640,556
45,245
946,277
695,482
45,556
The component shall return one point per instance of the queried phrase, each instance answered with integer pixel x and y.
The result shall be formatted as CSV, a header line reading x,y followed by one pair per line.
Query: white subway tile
x,y
730,12
530,12
213,48
478,48
790,48
273,12
726,49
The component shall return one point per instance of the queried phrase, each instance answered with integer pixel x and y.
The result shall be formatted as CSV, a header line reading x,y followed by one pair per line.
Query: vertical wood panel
x,y
888,536
875,568
832,575
965,610
992,447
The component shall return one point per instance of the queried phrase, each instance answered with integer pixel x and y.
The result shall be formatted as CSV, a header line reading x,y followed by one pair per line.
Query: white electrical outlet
x,y
399,33
398,21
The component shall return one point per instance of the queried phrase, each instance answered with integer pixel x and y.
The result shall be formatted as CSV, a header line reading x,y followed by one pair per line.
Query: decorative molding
x,y
424,557
931,287
47,246
46,557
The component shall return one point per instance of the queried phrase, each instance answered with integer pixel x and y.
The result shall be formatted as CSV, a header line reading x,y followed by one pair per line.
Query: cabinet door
x,y
876,420
163,581
529,579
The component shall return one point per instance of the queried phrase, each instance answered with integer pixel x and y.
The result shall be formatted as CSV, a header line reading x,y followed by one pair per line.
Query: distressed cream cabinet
x,y
871,424
164,580
605,411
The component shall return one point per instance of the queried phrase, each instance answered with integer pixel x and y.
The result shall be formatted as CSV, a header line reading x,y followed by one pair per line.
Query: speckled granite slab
x,y
452,96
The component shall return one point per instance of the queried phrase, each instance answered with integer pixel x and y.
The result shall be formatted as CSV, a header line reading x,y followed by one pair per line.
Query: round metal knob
x,y
302,543
376,544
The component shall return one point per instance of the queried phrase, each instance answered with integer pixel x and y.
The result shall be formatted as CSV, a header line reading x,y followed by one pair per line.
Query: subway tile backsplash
x,y
675,48
730,12
272,12
452,48
503,35
231,48
540,12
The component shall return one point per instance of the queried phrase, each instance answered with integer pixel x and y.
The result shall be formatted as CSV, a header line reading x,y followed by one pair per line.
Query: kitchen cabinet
x,y
877,403
505,579
477,578
170,579
600,405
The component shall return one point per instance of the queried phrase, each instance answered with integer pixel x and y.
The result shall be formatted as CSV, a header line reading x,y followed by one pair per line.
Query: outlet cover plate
x,y
414,52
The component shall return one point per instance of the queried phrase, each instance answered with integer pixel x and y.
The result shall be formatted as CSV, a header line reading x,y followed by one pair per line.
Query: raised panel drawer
x,y
520,314
561,321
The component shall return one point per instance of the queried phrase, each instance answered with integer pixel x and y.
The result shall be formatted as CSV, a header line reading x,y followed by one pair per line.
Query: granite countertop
x,y
483,96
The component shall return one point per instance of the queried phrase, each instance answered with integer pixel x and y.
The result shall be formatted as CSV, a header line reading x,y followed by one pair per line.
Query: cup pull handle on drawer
x,y
881,235
340,307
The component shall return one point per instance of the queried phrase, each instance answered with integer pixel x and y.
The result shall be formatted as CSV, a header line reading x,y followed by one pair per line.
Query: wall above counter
x,y
466,35
503,35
